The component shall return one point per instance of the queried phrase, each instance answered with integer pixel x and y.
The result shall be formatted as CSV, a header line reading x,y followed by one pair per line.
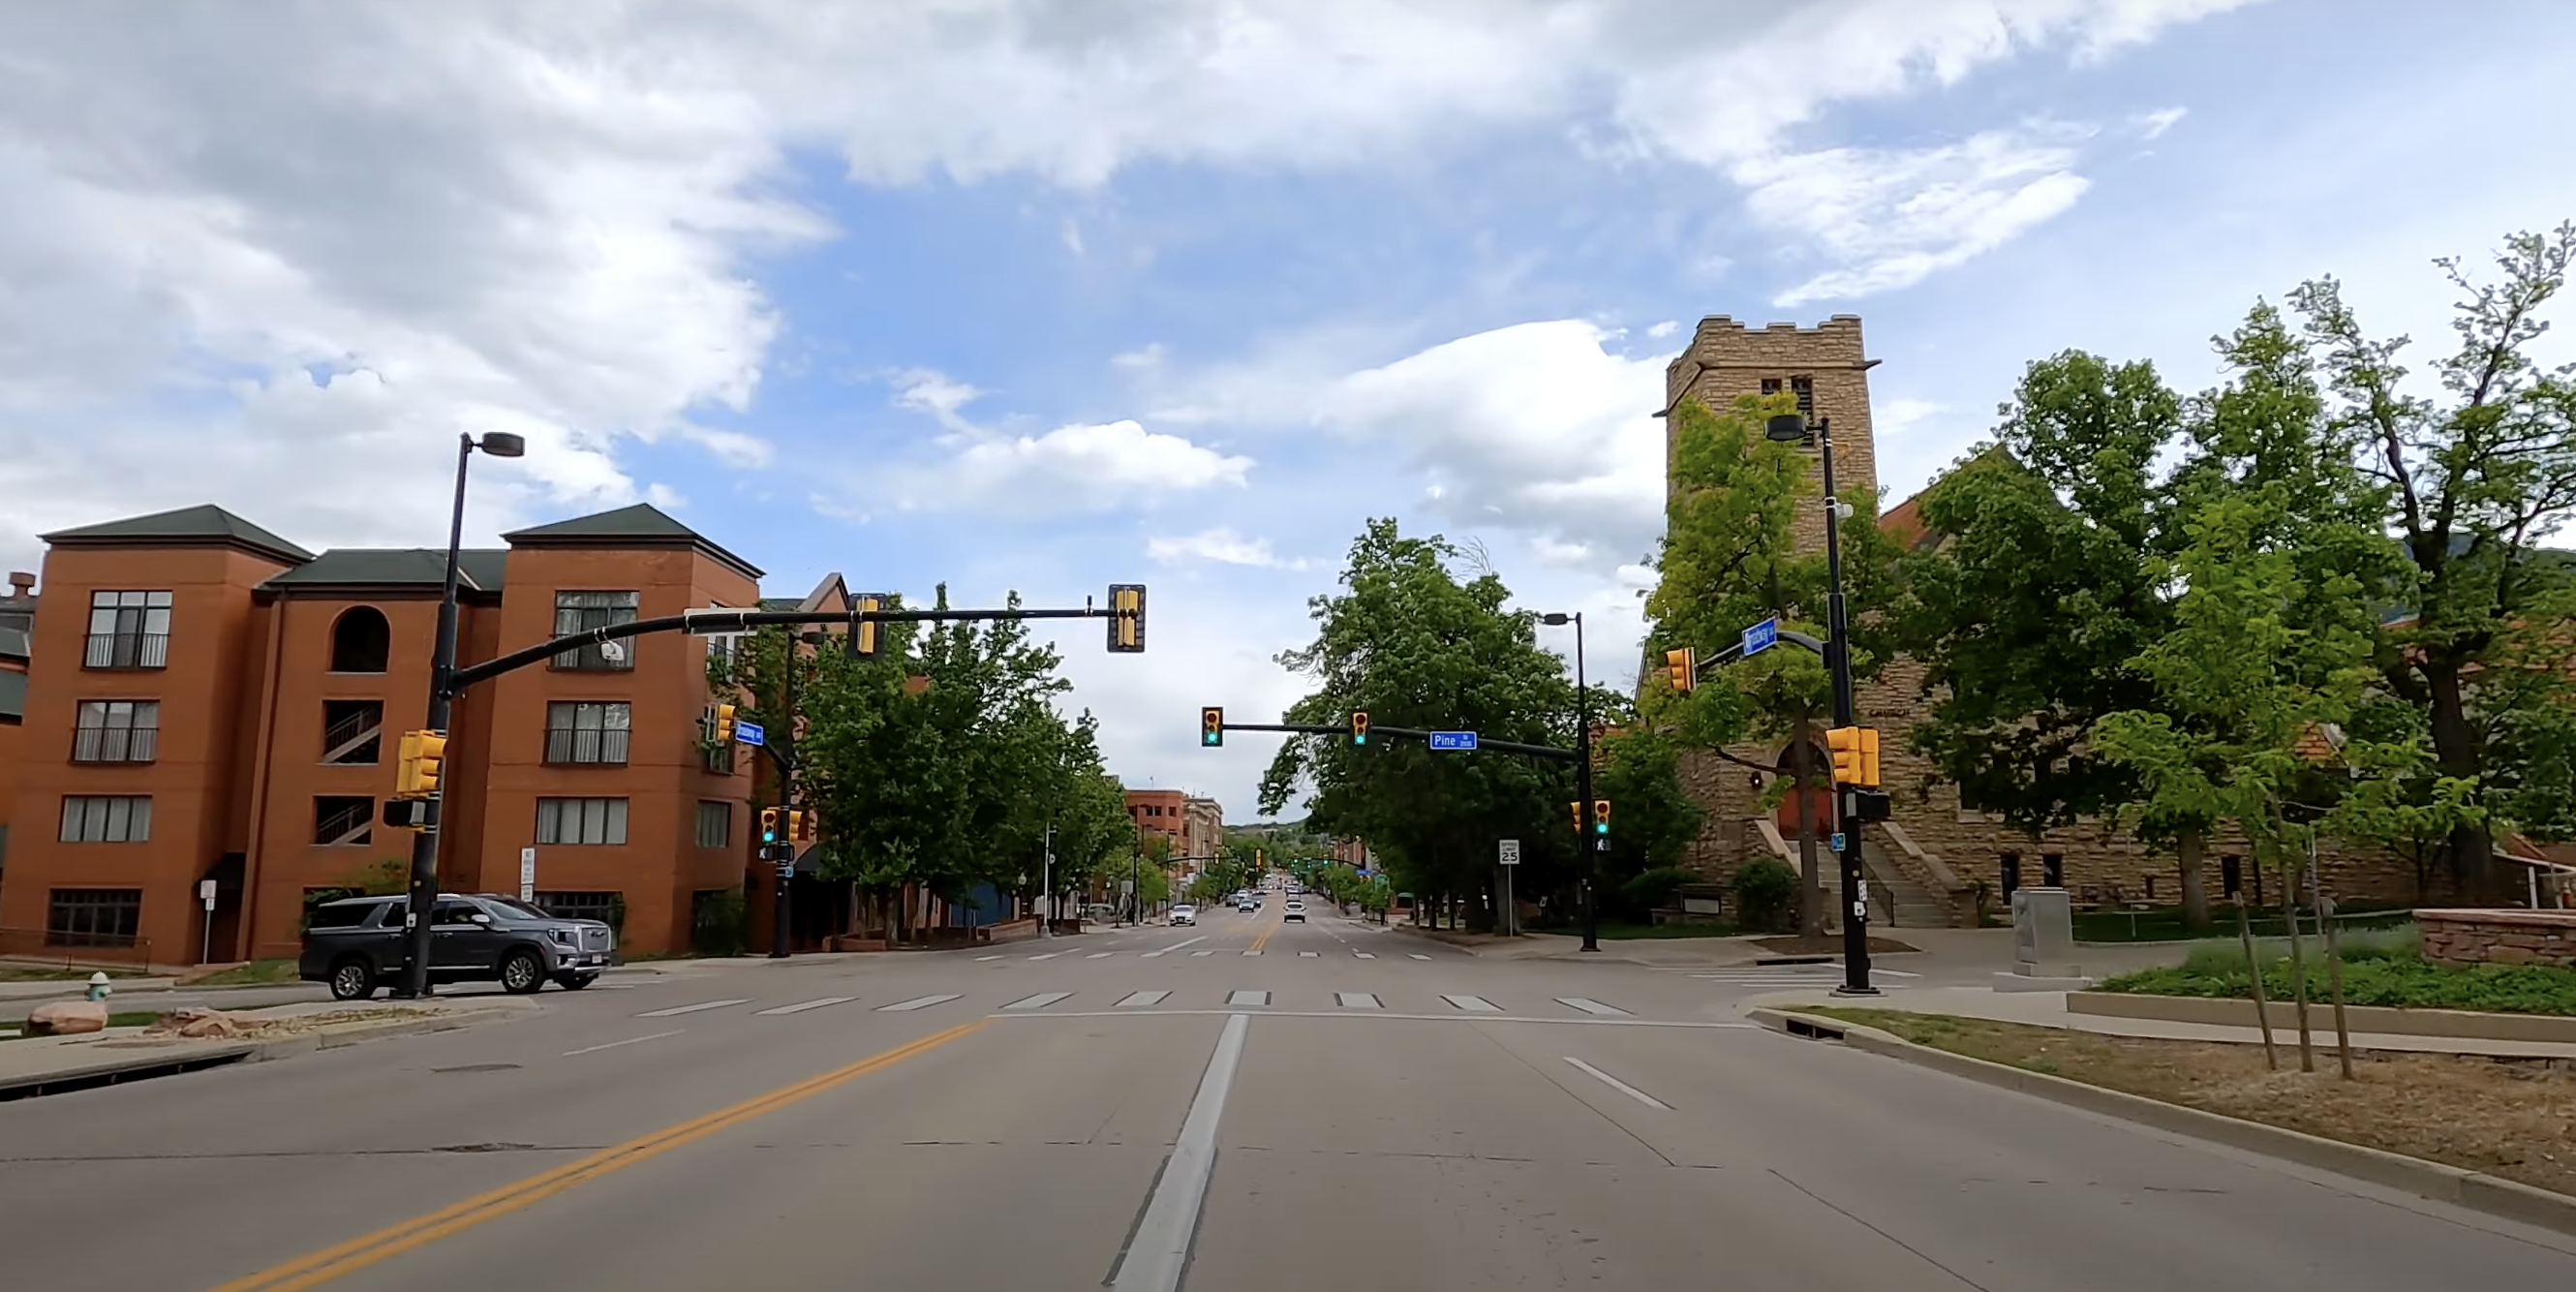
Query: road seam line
x,y
691,1009
632,1040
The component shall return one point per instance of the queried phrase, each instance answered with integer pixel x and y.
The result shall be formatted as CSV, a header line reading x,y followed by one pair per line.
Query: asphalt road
x,y
1350,1107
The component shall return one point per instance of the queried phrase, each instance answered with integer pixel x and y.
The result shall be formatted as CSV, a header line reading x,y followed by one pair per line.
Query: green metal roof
x,y
199,524
383,567
642,524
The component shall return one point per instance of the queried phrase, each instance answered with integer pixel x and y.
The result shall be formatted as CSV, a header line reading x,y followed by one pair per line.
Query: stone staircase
x,y
1895,899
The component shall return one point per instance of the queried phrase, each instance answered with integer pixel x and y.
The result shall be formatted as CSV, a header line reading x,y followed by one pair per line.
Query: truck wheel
x,y
522,973
352,979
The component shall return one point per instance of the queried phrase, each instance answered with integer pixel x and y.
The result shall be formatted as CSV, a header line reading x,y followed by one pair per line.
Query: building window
x,y
107,818
352,732
720,758
340,820
116,731
360,641
580,612
93,917
581,820
607,908
715,824
586,731
128,630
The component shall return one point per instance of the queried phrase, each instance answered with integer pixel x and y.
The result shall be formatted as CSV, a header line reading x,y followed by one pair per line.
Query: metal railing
x,y
360,732
127,650
64,950
115,744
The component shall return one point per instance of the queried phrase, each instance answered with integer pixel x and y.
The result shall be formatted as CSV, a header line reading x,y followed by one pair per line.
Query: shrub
x,y
717,926
1766,893
1655,888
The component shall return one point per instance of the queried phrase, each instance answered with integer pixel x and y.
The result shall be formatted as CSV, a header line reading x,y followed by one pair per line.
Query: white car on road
x,y
1296,911
1185,914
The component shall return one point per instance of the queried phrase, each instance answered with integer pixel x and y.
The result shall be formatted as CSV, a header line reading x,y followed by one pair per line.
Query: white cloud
x,y
1108,467
1220,546
927,390
1146,356
1891,219
1664,329
2153,125
1536,427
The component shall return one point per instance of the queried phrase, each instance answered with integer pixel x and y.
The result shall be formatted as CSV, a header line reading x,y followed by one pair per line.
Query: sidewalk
x,y
2048,1009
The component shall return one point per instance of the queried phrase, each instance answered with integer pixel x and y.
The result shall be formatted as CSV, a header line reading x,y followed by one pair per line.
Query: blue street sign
x,y
1453,740
1762,636
1837,844
749,733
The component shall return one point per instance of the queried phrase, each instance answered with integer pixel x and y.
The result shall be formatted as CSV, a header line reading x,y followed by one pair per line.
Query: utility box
x,y
2043,943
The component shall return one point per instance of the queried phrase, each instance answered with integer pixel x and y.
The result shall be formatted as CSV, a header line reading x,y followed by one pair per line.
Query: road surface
x,y
1242,1106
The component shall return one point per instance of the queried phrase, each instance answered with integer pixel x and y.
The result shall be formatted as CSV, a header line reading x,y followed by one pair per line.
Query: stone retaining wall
x,y
2502,937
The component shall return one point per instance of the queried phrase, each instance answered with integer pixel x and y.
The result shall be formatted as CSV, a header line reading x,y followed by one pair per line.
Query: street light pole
x,y
785,757
1584,840
1847,821
1046,882
442,666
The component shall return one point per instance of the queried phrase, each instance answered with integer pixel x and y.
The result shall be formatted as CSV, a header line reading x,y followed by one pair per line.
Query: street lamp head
x,y
1786,428
1553,619
503,444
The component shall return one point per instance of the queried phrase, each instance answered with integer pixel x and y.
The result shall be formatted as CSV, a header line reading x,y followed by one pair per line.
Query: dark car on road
x,y
356,944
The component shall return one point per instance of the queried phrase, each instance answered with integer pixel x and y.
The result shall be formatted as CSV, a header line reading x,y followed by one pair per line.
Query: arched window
x,y
360,640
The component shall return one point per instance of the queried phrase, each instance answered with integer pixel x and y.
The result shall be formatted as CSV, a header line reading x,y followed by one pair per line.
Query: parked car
x,y
357,943
1185,914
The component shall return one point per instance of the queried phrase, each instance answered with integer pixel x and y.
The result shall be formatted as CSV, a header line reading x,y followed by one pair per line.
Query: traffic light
x,y
1577,809
416,775
1855,752
1601,816
1683,665
798,821
724,724
863,632
768,825
1211,726
1359,728
1127,618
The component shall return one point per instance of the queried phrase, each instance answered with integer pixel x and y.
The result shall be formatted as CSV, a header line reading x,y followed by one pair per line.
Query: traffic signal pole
x,y
1846,816
423,902
786,759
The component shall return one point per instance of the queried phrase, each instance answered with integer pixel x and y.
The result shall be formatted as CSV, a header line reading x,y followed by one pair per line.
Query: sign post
x,y
206,941
528,875
1511,858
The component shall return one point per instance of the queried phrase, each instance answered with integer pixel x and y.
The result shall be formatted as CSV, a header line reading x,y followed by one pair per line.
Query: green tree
x,y
2475,479
1730,559
1415,644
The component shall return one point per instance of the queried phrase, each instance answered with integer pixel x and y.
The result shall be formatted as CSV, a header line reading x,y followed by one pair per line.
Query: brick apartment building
x,y
1196,826
192,698
1936,850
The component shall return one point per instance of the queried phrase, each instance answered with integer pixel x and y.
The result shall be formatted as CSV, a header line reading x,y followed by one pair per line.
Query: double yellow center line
x,y
358,1253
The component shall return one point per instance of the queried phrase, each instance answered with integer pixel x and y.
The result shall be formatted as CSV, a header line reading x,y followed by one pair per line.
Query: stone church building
x,y
1938,862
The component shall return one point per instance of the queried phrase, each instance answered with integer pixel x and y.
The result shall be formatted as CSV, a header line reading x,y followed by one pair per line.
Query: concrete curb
x,y
2459,1186
2456,1024
188,1057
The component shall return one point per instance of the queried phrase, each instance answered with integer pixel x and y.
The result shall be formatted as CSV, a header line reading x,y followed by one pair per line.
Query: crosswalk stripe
x,y
1039,1001
1100,955
1417,955
1143,998
1196,954
1356,1000
691,1009
1164,951
1308,954
1589,1006
1252,953
1365,955
1048,956
1474,1004
981,959
917,1002
1249,998
801,1006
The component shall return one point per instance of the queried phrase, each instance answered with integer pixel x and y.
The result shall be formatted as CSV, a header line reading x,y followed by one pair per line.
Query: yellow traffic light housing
x,y
1212,726
1576,809
1127,618
1359,728
416,773
1683,666
1855,751
798,822
724,724
769,825
863,632
1600,816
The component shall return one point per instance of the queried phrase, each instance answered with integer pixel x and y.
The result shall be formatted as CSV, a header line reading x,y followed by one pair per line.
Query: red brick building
x,y
202,700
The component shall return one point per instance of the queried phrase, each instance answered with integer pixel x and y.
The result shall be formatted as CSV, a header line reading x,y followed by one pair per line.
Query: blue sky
x,y
1048,296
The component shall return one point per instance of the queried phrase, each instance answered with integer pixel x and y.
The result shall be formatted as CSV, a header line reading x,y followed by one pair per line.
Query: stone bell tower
x,y
1824,365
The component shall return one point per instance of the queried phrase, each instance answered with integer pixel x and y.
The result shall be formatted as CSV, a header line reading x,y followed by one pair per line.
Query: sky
x,y
1012,295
